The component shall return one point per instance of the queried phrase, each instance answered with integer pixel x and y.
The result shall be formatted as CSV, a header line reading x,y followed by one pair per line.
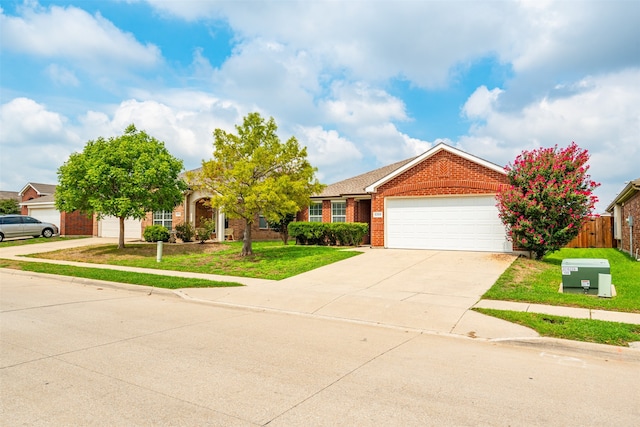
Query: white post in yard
x,y
159,251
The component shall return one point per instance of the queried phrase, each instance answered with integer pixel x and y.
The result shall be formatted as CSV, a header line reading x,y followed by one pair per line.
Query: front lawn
x,y
155,280
538,282
272,260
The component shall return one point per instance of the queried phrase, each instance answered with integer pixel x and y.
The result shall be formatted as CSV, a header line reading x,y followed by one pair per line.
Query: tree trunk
x,y
284,235
246,240
121,235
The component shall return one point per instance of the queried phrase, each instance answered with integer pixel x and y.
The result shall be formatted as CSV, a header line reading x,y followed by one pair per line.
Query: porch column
x,y
220,226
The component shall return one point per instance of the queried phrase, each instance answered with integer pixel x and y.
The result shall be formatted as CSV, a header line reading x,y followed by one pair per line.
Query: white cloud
x,y
61,75
603,117
264,73
331,153
387,144
36,139
89,42
481,102
358,104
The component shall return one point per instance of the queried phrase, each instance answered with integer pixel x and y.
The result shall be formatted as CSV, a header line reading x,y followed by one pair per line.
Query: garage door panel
x,y
451,223
46,215
110,227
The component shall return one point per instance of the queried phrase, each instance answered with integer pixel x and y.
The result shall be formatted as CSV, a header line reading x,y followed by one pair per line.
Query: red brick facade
x,y
75,224
237,225
630,208
442,174
29,194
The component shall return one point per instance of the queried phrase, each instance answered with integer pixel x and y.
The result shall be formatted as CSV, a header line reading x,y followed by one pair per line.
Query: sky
x,y
361,84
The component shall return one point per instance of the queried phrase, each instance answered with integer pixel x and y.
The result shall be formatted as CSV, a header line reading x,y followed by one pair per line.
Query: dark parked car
x,y
24,226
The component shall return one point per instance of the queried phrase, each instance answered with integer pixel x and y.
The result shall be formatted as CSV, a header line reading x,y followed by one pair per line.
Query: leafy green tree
x,y
253,173
126,177
9,206
549,197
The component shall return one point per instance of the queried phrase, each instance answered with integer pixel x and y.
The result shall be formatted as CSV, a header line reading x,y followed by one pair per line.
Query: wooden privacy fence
x,y
595,233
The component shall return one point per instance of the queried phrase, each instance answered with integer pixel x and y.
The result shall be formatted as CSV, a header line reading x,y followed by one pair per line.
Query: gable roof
x,y
629,190
40,189
429,153
357,184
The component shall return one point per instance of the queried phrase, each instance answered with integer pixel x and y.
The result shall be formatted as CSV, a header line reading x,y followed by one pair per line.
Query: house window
x,y
338,211
315,212
163,218
262,223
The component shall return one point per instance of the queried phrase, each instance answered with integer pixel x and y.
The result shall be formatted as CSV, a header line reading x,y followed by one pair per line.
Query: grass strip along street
x,y
133,278
272,260
534,281
588,330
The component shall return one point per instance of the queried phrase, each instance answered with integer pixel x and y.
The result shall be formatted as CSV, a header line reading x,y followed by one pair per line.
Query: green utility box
x,y
580,275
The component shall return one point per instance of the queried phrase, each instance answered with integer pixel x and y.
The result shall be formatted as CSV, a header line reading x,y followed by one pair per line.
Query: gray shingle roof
x,y
10,195
357,184
44,189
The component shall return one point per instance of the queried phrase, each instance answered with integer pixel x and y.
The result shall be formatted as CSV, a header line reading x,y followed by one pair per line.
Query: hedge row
x,y
335,233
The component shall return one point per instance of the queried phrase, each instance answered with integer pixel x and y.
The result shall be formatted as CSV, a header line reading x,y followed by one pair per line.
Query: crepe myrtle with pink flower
x,y
548,198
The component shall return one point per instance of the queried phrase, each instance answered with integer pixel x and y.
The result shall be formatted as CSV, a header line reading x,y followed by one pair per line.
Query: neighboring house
x,y
195,208
441,199
625,209
10,195
37,200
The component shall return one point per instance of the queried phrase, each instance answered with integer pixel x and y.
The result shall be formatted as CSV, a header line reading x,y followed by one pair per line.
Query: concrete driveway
x,y
421,290
415,289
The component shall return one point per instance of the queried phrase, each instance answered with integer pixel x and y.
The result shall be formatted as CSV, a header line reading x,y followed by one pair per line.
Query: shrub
x,y
207,227
9,206
338,233
156,233
185,231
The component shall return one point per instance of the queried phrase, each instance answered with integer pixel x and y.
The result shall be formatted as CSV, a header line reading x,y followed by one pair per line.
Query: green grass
x,y
271,260
155,280
587,330
538,281
36,240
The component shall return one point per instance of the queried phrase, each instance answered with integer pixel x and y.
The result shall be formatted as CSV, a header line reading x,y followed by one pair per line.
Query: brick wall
x,y
442,174
29,194
76,224
631,208
326,211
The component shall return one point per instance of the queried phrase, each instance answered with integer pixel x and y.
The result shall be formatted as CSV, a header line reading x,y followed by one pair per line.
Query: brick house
x,y
37,200
441,199
625,209
195,209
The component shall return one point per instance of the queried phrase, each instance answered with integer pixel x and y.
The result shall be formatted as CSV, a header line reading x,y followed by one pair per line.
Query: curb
x,y
95,282
605,351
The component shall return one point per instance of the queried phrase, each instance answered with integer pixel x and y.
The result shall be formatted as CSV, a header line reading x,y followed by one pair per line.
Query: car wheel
x,y
47,232
1,237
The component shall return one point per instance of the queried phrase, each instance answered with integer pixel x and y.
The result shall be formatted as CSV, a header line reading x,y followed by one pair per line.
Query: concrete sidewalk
x,y
429,291
556,310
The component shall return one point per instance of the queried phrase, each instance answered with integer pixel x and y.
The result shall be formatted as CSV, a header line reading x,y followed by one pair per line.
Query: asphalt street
x,y
76,353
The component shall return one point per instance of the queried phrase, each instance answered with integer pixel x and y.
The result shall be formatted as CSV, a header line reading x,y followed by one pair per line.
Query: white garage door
x,y
51,215
110,227
449,223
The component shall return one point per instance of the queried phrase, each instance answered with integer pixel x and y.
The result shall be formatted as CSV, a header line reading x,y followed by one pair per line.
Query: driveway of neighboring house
x,y
415,289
